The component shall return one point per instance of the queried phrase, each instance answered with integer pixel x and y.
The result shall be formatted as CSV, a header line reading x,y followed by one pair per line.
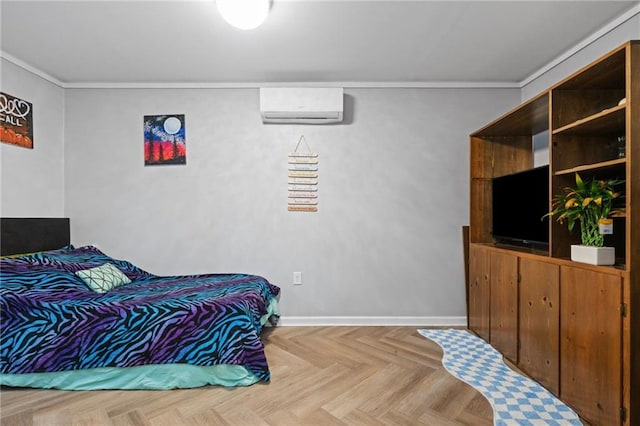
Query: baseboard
x,y
287,321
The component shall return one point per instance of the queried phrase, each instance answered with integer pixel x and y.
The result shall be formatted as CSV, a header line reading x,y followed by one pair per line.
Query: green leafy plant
x,y
587,203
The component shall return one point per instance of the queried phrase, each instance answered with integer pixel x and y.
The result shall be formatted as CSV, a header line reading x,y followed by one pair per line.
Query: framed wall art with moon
x,y
164,140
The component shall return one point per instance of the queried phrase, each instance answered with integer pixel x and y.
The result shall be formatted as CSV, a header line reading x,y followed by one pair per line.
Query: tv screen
x,y
520,200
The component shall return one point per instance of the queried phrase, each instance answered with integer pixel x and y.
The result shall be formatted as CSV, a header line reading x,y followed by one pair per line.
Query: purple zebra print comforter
x,y
51,321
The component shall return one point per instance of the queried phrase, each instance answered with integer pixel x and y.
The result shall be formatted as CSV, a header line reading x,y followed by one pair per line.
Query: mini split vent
x,y
304,105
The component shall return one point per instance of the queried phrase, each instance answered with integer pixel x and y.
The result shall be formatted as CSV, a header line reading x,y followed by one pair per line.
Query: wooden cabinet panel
x,y
539,311
591,344
478,307
480,230
503,278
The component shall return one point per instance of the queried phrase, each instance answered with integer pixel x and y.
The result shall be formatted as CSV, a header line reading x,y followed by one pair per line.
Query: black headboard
x,y
27,235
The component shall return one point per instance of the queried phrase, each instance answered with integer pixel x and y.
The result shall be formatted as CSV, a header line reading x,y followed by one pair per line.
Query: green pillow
x,y
103,278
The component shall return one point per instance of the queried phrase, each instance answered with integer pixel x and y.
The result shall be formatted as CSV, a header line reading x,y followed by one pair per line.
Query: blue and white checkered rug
x,y
516,400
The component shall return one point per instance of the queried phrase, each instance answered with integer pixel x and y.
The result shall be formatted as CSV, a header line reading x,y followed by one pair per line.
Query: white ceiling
x,y
84,42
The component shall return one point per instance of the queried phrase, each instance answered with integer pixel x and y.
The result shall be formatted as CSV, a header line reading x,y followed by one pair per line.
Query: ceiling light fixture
x,y
244,14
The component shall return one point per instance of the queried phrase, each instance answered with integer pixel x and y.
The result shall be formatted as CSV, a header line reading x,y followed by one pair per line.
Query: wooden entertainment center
x,y
573,327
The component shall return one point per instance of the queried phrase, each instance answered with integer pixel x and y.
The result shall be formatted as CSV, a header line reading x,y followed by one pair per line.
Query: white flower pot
x,y
593,255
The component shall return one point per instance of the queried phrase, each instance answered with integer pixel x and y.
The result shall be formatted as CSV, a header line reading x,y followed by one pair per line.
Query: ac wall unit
x,y
306,105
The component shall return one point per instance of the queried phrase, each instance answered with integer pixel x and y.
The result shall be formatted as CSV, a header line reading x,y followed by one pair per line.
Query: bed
x,y
76,318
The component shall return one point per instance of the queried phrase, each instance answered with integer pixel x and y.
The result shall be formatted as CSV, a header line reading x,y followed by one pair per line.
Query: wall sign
x,y
16,121
303,178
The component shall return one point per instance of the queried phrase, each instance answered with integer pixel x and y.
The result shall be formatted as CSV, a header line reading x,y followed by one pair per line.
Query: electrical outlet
x,y
297,278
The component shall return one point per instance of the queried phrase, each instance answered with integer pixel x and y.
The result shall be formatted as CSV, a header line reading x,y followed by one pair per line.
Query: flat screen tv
x,y
520,200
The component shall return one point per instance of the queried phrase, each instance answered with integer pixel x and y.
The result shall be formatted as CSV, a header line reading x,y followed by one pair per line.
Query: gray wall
x,y
393,194
32,181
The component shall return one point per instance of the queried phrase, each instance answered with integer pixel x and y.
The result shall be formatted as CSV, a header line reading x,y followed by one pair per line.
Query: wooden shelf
x,y
528,119
606,73
601,122
594,166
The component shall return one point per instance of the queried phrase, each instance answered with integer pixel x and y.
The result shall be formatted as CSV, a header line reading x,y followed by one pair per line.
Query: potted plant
x,y
591,204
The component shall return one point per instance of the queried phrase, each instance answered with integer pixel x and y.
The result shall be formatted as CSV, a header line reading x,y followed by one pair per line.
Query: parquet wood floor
x,y
319,376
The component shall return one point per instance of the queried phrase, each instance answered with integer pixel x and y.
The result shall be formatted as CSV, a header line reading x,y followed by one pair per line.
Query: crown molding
x,y
631,13
255,85
31,69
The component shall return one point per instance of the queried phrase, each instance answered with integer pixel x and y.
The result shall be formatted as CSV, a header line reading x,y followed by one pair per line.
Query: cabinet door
x,y
503,280
539,313
478,308
591,344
